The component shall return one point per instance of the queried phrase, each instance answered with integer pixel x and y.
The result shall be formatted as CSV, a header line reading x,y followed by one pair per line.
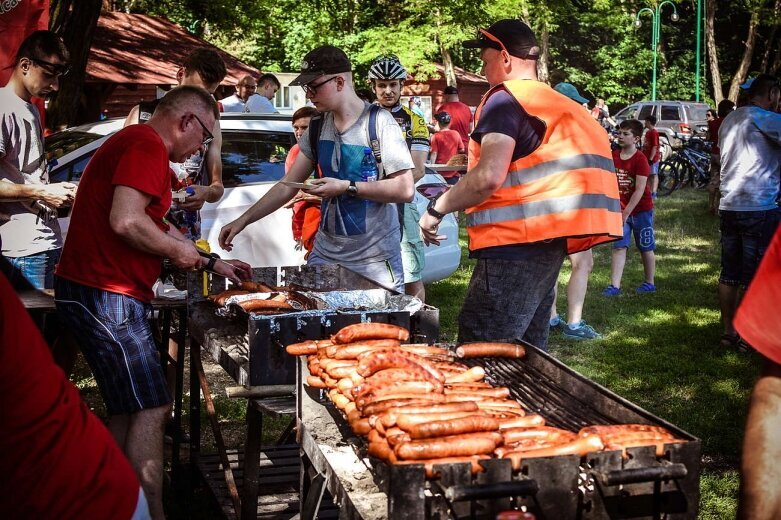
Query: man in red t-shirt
x,y
637,209
116,242
444,145
652,151
460,114
57,459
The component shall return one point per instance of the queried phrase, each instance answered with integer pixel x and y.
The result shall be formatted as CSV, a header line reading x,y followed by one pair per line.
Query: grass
x,y
658,350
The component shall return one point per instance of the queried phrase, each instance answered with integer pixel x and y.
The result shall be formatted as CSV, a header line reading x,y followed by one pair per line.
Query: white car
x,y
254,147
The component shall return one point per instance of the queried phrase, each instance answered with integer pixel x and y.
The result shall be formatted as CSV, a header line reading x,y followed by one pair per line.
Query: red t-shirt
x,y
446,144
764,293
628,170
57,459
460,119
93,254
650,140
713,133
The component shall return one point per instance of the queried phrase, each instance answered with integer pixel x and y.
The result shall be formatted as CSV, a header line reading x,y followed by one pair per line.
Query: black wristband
x,y
431,211
210,263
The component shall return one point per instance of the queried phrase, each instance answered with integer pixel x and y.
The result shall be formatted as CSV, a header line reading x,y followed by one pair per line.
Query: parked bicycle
x,y
690,165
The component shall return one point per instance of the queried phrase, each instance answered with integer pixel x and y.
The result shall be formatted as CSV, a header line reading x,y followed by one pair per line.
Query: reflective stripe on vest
x,y
542,170
543,207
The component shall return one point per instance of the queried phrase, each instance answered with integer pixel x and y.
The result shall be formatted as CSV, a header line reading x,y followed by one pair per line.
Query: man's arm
x,y
640,183
760,490
129,220
419,159
54,195
132,117
432,157
396,187
214,191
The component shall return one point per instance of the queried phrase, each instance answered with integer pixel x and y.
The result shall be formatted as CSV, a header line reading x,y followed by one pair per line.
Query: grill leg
x,y
249,493
311,504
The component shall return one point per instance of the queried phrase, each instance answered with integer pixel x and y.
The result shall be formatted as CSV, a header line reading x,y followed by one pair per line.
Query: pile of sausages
x,y
415,404
282,301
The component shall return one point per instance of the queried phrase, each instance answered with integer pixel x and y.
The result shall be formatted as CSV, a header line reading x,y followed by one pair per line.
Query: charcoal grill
x,y
605,486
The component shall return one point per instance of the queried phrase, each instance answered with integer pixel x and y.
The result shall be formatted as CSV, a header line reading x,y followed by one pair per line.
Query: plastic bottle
x,y
368,167
190,217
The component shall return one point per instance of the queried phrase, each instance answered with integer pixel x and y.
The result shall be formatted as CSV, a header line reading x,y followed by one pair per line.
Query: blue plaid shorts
x,y
115,337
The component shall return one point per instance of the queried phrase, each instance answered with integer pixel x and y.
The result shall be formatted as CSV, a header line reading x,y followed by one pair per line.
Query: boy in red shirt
x,y
637,208
444,145
652,152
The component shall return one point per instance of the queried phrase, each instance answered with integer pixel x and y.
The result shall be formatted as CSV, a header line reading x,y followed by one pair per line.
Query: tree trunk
x,y
745,62
542,63
75,22
447,62
771,40
777,60
713,57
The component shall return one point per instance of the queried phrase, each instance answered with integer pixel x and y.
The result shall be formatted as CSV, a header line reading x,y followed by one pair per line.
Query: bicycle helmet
x,y
442,117
387,67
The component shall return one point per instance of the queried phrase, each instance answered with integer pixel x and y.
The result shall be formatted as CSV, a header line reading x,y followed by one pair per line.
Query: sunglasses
x,y
310,89
209,137
494,39
52,69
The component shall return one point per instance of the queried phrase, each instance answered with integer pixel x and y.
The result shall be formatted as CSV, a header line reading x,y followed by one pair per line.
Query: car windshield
x,y
62,143
249,157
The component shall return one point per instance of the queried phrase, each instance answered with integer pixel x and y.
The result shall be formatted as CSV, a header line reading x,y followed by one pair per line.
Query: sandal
x,y
729,340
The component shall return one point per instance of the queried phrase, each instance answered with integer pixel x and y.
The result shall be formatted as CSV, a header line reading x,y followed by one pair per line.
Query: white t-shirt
x,y
232,104
259,104
23,161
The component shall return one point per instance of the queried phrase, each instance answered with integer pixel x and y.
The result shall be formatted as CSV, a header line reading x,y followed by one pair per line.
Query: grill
x,y
601,487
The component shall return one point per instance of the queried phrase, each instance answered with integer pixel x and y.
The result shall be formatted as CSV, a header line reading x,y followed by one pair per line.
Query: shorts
x,y
412,247
715,173
32,271
654,168
115,337
745,236
388,273
641,226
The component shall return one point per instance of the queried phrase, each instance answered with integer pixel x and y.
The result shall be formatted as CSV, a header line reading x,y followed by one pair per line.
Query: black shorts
x,y
745,236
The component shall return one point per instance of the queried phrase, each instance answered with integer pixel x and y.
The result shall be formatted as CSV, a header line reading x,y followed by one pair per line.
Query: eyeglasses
x,y
209,137
52,69
310,89
494,39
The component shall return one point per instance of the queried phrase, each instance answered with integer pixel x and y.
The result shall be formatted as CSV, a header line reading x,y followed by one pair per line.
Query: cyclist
x,y
387,76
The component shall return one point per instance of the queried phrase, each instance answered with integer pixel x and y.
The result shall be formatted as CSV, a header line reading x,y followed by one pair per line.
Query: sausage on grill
x,y
451,446
507,350
364,331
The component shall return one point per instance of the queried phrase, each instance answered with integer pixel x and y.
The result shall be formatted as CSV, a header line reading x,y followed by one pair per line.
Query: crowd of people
x,y
542,184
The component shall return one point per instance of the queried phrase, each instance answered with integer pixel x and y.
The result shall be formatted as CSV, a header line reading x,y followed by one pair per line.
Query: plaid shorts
x,y
115,337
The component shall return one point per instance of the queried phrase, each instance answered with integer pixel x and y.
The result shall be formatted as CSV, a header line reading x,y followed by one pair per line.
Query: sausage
x,y
457,426
393,375
468,386
380,406
341,372
265,305
485,349
407,421
521,422
546,433
220,298
361,427
352,350
383,359
471,375
498,404
424,350
256,287
611,429
451,446
323,343
364,331
389,418
374,435
338,399
396,436
580,446
345,385
350,408
315,382
367,391
633,442
382,451
365,402
429,464
305,348
498,392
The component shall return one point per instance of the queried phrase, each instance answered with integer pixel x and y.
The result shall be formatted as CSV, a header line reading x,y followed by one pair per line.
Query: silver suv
x,y
682,117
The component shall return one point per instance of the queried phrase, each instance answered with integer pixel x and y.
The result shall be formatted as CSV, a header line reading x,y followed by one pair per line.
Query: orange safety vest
x,y
566,188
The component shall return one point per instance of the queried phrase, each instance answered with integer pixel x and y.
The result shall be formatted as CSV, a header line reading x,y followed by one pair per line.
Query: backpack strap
x,y
374,140
315,128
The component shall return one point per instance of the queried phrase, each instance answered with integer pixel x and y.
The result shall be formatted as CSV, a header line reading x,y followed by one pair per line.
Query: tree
x,y
710,45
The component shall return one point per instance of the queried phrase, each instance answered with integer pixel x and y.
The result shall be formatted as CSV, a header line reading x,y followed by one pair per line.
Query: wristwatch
x,y
213,257
352,189
431,211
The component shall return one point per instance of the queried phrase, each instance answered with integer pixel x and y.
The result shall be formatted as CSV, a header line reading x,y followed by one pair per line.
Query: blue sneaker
x,y
611,290
582,331
646,288
556,322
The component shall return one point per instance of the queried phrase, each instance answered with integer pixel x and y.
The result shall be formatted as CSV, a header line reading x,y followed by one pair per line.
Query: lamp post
x,y
656,22
699,50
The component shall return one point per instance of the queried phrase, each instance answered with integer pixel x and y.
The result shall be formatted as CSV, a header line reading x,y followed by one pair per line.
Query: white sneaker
x,y
168,291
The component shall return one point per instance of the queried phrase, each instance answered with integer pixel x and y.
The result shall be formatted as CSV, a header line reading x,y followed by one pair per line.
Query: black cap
x,y
515,35
451,90
321,61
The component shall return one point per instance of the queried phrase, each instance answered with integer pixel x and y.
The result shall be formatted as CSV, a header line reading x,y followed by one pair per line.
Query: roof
x,y
147,50
463,76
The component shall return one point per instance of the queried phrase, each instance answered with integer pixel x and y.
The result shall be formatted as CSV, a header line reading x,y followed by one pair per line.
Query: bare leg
x,y
118,426
582,263
728,301
144,449
760,489
416,289
617,266
649,265
553,312
654,183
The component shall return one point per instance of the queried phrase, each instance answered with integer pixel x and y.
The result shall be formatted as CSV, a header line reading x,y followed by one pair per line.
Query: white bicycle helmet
x,y
387,67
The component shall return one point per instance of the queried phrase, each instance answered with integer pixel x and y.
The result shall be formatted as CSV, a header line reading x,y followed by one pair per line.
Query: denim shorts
x,y
33,270
412,254
114,334
388,273
654,168
510,300
642,227
745,236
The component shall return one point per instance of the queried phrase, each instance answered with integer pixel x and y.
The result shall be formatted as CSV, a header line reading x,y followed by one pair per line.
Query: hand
x,y
624,217
58,194
195,201
429,225
328,187
234,270
228,232
187,256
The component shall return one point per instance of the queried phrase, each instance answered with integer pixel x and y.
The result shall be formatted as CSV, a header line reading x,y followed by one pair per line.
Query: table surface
x,y
44,301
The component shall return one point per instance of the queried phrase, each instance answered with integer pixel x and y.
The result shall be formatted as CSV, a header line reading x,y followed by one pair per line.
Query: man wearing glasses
x,y
117,240
359,228
541,174
29,232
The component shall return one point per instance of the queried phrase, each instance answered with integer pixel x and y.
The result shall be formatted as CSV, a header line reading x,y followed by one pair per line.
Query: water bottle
x,y
368,167
190,217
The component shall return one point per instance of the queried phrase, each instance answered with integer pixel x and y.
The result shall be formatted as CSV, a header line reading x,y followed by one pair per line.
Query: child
x,y
637,208
444,145
652,152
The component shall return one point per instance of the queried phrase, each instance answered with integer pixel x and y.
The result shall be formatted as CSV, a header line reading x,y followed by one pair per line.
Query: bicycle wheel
x,y
668,177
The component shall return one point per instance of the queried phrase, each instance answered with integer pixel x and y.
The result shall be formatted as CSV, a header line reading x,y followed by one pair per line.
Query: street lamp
x,y
656,22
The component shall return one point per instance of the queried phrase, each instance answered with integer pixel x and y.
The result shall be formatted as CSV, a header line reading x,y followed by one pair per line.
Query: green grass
x,y
659,350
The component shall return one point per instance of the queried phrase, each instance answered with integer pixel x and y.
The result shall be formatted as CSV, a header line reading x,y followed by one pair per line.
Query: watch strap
x,y
431,211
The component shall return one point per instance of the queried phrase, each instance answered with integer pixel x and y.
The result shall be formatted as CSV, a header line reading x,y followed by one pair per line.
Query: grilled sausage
x,y
494,393
305,348
620,429
546,433
380,406
471,375
345,385
382,451
580,446
527,421
315,382
498,404
383,359
506,350
255,287
389,417
265,305
220,298
369,391
429,464
457,426
431,397
407,421
353,350
390,376
364,331
451,446
361,427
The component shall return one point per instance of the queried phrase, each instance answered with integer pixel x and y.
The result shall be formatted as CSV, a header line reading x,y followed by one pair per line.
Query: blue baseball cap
x,y
569,90
747,84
